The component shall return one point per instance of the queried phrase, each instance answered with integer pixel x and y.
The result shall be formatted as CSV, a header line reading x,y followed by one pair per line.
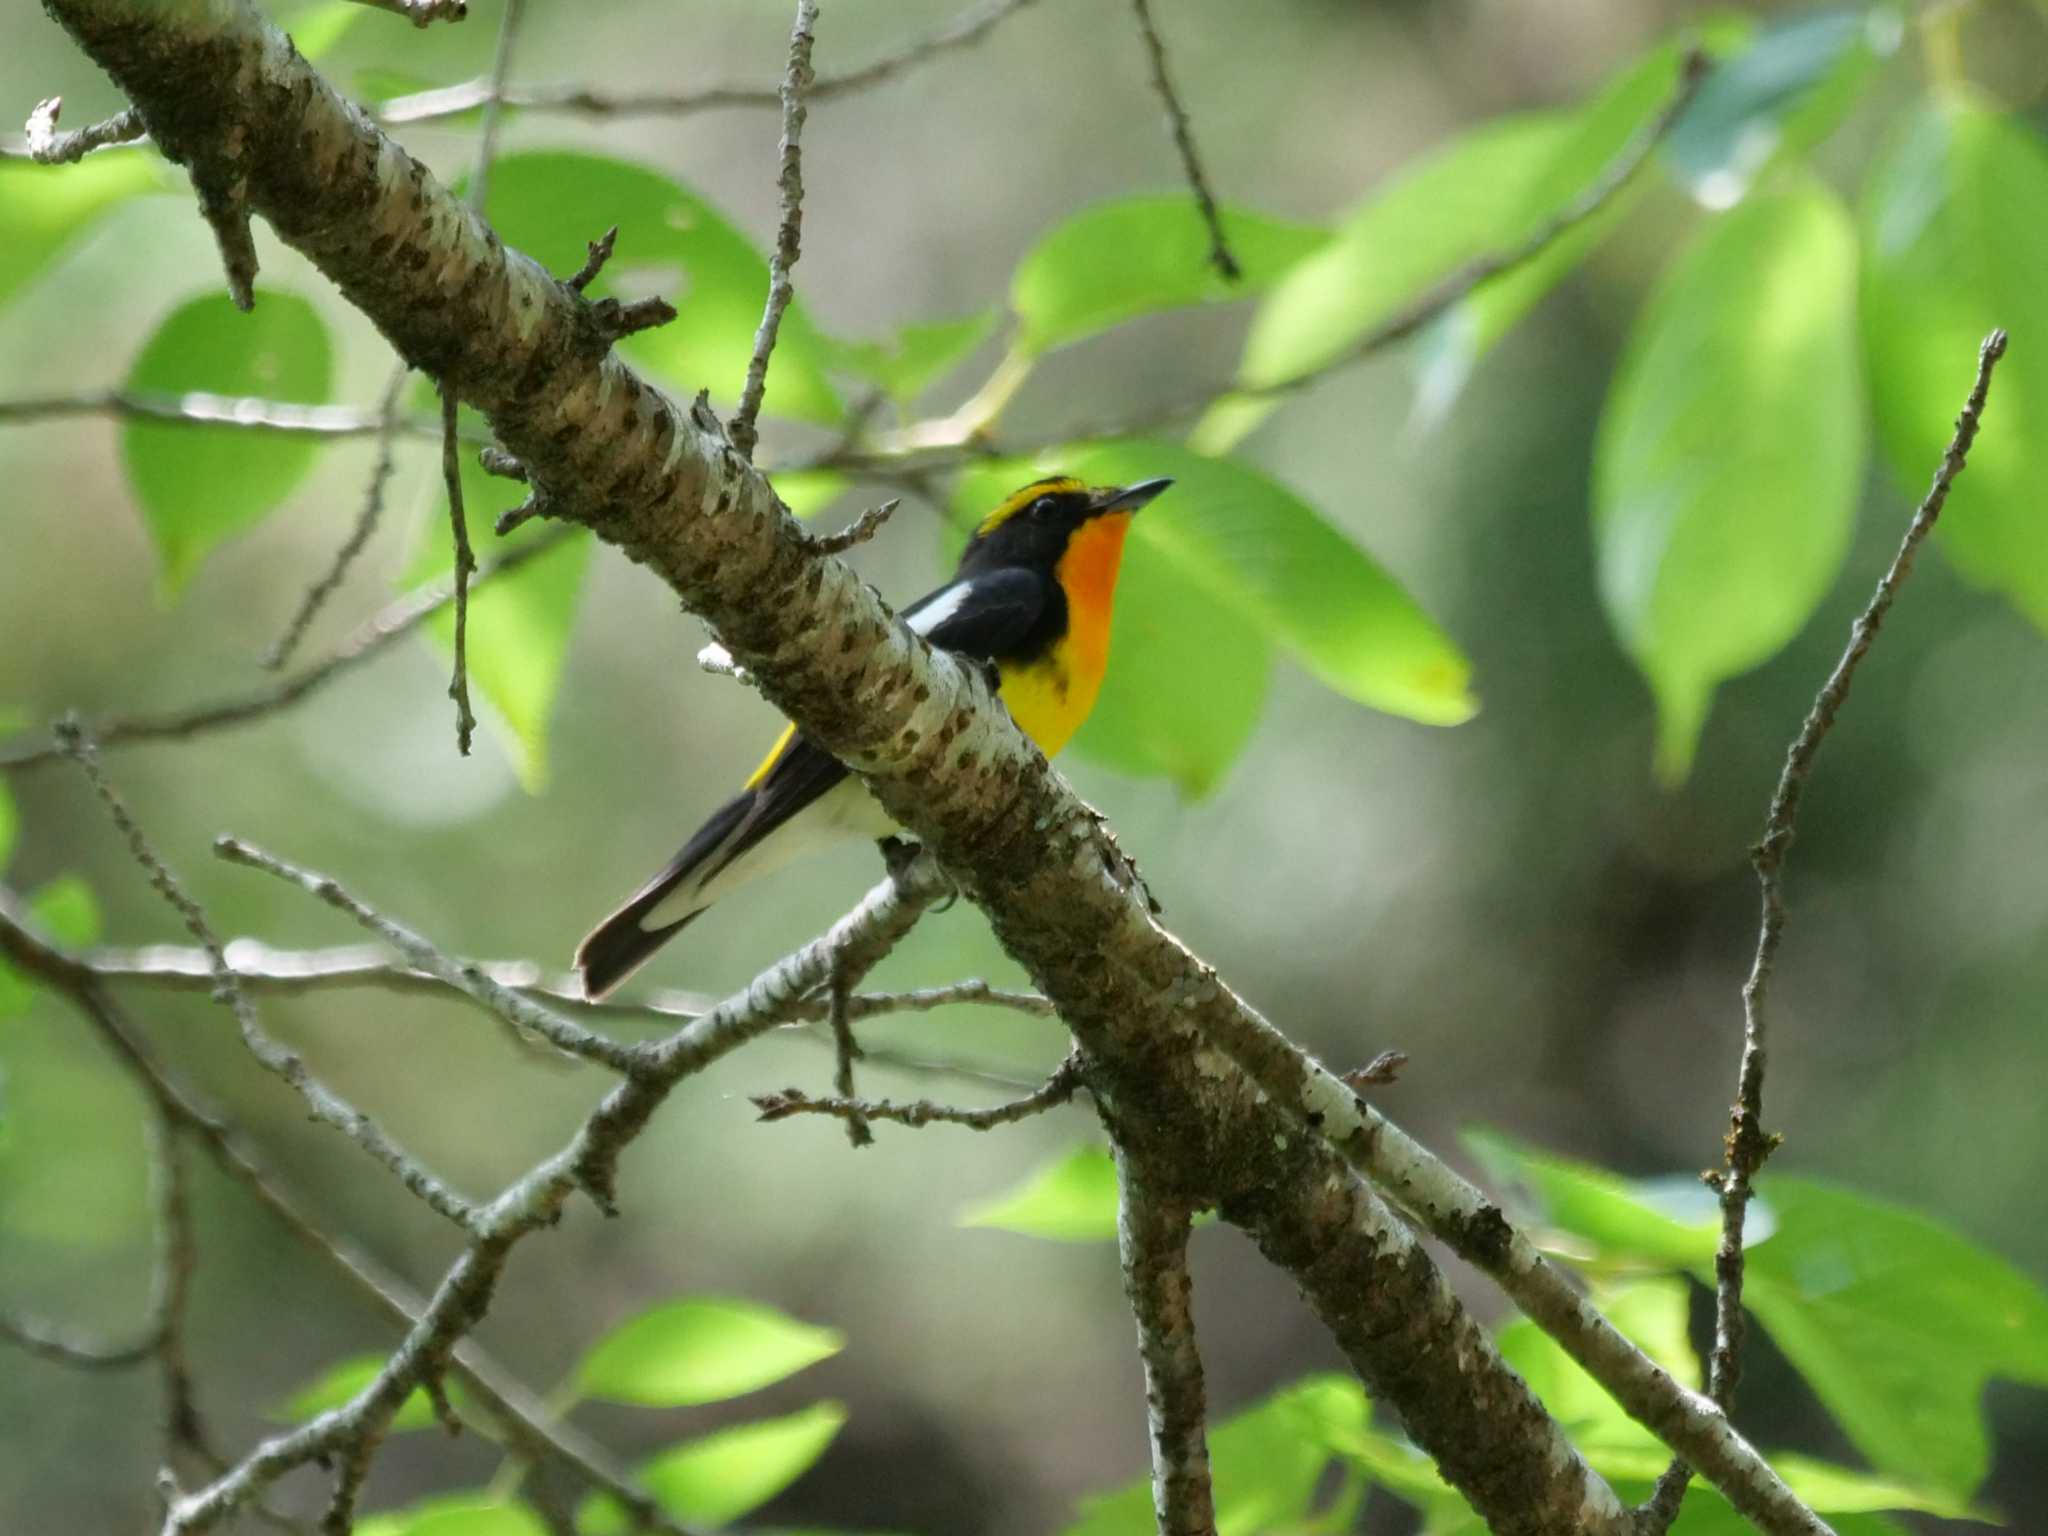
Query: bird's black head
x,y
1033,525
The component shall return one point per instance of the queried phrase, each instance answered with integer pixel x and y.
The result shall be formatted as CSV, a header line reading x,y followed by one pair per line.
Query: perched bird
x,y
1032,595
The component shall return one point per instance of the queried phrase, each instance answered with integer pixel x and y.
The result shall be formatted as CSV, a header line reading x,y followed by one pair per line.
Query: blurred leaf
x,y
1655,1223
1730,453
1955,239
199,485
67,911
808,491
1653,1314
519,625
1428,221
1453,345
701,1350
552,204
1896,1323
376,84
457,1514
1156,717
1265,1464
340,1384
715,1480
1116,261
314,29
918,356
10,822
1070,1200
43,207
1260,550
1786,90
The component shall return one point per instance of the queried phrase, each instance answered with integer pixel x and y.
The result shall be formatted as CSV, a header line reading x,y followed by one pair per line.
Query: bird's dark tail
x,y
624,941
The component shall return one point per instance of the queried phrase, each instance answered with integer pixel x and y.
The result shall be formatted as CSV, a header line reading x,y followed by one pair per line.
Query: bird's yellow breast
x,y
1050,698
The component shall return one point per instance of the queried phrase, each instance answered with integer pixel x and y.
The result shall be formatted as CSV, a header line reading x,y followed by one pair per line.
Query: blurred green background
x,y
1556,940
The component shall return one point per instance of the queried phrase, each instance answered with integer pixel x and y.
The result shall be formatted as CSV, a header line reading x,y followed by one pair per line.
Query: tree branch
x,y
789,235
1152,1237
1184,141
1055,1091
46,146
1748,1145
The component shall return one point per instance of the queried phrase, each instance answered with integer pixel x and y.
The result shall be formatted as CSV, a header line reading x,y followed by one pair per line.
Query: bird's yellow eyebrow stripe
x,y
1017,501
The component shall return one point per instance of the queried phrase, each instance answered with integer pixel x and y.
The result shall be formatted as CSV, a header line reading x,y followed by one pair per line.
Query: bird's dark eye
x,y
1044,508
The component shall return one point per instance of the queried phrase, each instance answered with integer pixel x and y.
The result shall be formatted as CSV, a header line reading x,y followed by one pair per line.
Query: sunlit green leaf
x,y
1955,239
461,1514
1783,91
1598,133
1730,453
10,823
1444,211
67,911
341,1383
701,1350
715,1480
1598,1217
1257,548
1156,717
1650,1312
1896,1323
519,624
918,356
552,204
808,491
1116,261
314,29
43,207
199,485
1070,1200
1265,1463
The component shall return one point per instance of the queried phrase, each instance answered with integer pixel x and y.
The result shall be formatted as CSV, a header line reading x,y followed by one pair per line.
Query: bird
x,y
1032,597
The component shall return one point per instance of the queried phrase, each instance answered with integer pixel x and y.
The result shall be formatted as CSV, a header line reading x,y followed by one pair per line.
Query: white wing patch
x,y
940,608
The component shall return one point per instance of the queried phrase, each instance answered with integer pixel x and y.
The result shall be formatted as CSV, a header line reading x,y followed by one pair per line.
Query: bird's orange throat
x,y
1051,697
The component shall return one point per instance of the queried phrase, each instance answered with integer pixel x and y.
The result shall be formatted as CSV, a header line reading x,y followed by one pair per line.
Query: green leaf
x,y
1730,453
67,911
1599,131
340,1384
1156,717
1117,261
1955,239
701,1350
1599,1218
808,491
918,356
717,1479
1423,225
462,1514
1650,1312
315,29
1783,92
200,485
519,624
1265,1463
1897,1323
1070,1200
552,204
10,823
1256,548
44,207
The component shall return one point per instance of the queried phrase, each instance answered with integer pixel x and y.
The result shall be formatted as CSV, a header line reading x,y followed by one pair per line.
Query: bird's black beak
x,y
1131,497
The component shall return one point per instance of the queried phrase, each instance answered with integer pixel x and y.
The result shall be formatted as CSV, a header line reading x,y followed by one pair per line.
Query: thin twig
x,y
465,567
197,408
600,253
421,13
365,525
391,623
451,101
1184,141
1152,1238
325,1105
1053,1092
46,146
789,235
1748,1146
494,106
857,532
844,1051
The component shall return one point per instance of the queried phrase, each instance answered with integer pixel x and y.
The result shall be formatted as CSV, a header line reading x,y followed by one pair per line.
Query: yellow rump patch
x,y
774,756
1017,501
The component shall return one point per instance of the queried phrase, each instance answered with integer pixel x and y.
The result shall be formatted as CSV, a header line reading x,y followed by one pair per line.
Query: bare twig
x,y
465,567
46,146
859,531
224,204
600,253
421,13
496,461
1152,1237
515,1008
1184,141
199,409
450,101
365,525
845,1049
494,106
616,318
391,623
1748,1146
1053,1092
325,1105
789,235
